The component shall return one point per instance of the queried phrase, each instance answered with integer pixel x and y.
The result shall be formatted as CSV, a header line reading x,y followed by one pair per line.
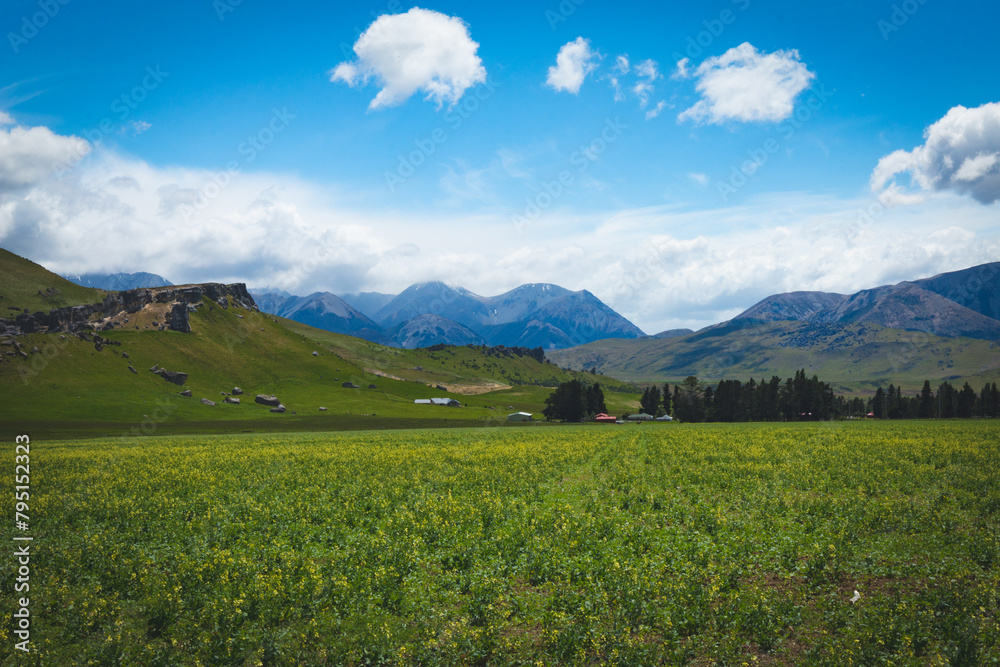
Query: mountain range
x,y
942,327
424,314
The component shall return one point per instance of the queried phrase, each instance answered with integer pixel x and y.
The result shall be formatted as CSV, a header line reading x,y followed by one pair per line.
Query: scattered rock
x,y
441,387
231,399
186,392
61,337
278,408
207,402
125,355
222,393
265,399
177,377
350,385
237,391
322,409
315,353
239,316
35,350
155,368
372,386
132,368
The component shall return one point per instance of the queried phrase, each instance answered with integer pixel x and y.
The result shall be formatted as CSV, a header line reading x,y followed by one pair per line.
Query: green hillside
x,y
69,387
28,285
853,357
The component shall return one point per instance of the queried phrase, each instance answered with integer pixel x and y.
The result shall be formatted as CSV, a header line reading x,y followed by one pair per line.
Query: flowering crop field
x,y
824,544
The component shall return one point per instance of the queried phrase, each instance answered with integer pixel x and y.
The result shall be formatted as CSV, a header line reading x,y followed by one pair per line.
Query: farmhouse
x,y
604,418
519,417
449,402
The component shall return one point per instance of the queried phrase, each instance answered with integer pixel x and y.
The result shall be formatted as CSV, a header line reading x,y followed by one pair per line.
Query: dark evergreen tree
x,y
926,410
650,401
566,402
667,401
966,401
879,404
595,400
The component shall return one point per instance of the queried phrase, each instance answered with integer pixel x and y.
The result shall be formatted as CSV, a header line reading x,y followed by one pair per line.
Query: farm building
x,y
641,417
449,402
519,417
665,418
605,419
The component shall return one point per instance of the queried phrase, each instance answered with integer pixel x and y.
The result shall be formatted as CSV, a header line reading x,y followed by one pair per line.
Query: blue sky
x,y
835,147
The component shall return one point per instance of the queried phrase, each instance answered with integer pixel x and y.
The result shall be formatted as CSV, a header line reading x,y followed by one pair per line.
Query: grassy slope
x,y
853,358
71,387
23,279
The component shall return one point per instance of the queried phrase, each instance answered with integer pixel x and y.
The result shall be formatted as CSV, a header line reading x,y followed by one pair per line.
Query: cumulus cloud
x,y
420,50
574,62
662,267
746,85
961,152
30,154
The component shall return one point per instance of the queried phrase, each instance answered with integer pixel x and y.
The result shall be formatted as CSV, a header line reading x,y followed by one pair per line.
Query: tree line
x,y
799,398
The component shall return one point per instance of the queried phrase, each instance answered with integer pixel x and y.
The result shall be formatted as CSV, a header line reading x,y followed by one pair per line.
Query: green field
x,y
634,545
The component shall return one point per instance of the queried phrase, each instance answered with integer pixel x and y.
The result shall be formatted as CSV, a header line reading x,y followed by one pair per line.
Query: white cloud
x,y
419,50
700,179
30,154
682,71
621,64
139,126
574,62
961,152
747,85
657,110
663,267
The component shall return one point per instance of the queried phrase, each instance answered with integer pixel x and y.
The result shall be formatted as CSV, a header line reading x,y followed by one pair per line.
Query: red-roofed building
x,y
605,419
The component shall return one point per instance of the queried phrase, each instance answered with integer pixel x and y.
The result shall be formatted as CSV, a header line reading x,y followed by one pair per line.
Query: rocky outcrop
x,y
265,399
184,298
231,399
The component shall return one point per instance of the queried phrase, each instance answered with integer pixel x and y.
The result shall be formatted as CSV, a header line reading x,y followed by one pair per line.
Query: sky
x,y
679,160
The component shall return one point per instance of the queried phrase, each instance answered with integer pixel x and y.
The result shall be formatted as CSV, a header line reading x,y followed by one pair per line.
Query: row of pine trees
x,y
799,398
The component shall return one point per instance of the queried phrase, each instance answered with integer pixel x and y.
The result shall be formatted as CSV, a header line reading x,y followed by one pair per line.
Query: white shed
x,y
519,417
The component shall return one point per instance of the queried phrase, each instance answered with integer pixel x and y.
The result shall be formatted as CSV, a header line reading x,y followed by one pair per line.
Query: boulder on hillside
x,y
132,368
265,399
186,393
322,409
207,402
372,386
237,391
278,408
350,385
231,399
315,353
177,377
